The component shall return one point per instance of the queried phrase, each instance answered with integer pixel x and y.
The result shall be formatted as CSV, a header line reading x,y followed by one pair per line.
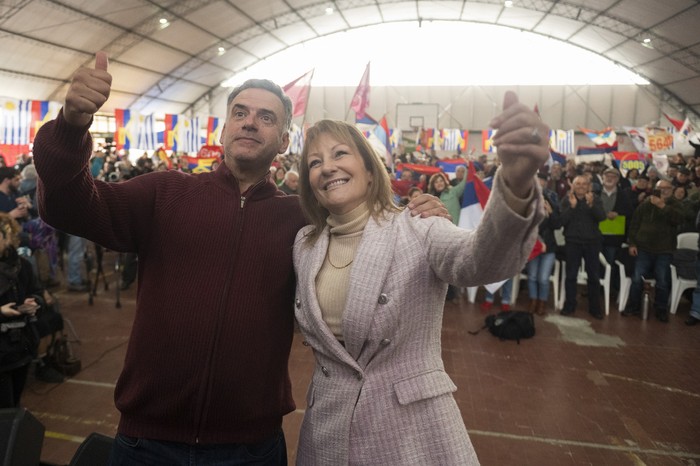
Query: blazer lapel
x,y
370,268
310,268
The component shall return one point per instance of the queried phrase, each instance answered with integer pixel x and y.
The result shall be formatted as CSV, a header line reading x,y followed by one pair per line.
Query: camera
x,y
656,192
113,177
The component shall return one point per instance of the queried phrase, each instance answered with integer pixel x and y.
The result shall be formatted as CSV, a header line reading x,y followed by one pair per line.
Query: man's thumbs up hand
x,y
88,91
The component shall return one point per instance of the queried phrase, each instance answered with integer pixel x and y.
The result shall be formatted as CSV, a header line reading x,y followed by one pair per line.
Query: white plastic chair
x,y
687,240
625,284
679,284
553,278
582,279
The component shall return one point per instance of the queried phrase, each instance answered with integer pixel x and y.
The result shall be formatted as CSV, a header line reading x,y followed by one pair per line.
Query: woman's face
x,y
439,184
279,174
337,174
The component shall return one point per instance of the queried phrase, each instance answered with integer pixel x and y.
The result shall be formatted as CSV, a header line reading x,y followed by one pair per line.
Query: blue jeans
x,y
656,266
539,270
695,307
506,291
76,257
130,451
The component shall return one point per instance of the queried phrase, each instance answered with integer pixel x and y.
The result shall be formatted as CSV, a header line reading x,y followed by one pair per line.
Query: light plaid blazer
x,y
385,398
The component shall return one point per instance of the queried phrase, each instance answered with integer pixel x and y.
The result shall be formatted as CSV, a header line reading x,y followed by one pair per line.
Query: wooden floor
x,y
616,392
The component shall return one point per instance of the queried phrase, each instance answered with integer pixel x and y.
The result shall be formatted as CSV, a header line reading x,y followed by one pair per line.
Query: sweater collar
x,y
263,189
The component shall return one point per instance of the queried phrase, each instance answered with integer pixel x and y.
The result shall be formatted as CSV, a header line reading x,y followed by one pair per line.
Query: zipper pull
x,y
242,201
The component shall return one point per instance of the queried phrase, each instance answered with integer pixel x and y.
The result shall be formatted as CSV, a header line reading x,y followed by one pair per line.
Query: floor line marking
x,y
576,443
60,436
91,383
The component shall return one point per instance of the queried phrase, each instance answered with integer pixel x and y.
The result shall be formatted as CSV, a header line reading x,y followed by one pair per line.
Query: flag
x,y
603,138
298,91
15,120
377,133
557,157
163,156
189,135
42,112
476,194
449,166
360,101
454,140
395,138
474,199
213,131
680,125
564,141
296,140
627,161
122,133
487,136
416,168
170,137
199,165
147,135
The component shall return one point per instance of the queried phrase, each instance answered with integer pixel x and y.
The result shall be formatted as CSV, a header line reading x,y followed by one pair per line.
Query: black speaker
x,y
21,437
94,451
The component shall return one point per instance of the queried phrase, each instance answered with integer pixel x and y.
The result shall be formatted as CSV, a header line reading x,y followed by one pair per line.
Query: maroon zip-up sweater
x,y
207,356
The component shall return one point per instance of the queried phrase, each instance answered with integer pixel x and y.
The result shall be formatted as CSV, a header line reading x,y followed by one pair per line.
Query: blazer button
x,y
298,303
383,298
358,374
325,371
385,342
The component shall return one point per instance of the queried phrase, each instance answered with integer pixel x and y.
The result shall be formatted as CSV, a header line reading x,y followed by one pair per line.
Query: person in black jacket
x,y
18,306
581,213
617,204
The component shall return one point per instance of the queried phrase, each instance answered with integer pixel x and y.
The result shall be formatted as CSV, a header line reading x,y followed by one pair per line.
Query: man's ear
x,y
285,143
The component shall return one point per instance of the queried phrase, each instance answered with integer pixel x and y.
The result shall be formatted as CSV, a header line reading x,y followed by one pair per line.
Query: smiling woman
x,y
371,286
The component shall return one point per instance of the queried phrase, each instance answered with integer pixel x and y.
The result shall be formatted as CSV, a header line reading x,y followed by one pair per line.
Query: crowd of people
x,y
592,208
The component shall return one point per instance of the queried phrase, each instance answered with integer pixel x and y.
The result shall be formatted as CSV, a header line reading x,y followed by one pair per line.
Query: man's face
x,y
460,172
14,184
254,131
665,188
610,180
406,175
292,182
581,186
642,183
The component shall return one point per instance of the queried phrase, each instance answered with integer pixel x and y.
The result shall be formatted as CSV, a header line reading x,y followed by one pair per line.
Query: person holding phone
x,y
18,306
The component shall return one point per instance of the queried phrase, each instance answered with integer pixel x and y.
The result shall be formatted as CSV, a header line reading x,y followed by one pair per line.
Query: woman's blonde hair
x,y
380,198
10,229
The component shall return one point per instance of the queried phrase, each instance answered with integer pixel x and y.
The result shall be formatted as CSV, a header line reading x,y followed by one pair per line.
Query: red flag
x,y
360,101
678,124
298,91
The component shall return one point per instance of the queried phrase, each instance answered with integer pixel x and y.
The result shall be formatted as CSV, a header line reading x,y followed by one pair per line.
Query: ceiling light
x,y
221,50
329,10
508,3
164,23
646,42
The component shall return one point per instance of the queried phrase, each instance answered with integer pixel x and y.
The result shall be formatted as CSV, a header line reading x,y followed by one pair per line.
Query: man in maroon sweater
x,y
205,374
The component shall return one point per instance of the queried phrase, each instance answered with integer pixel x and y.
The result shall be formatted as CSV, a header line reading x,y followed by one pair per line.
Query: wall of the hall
x,y
472,107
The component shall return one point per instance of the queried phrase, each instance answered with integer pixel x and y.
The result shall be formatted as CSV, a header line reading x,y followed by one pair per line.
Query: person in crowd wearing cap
x,y
540,267
581,212
652,240
682,179
618,208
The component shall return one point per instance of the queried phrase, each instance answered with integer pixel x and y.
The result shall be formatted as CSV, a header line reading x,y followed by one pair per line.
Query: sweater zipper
x,y
221,307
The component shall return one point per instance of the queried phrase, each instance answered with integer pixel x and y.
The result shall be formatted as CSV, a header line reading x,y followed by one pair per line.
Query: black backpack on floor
x,y
510,325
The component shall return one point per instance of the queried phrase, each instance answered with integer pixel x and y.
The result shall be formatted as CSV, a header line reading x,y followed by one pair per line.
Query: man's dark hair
x,y
267,85
7,172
